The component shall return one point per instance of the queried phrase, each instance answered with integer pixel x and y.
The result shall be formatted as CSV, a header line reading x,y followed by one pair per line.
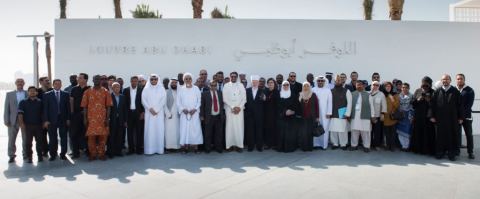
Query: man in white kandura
x,y
172,118
188,104
324,95
234,97
154,100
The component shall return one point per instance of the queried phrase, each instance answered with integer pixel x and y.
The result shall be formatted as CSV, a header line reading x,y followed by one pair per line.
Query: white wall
x,y
404,50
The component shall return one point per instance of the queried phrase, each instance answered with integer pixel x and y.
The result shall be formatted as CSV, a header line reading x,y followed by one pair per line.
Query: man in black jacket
x,y
467,96
447,114
295,87
135,116
212,115
254,112
118,122
78,140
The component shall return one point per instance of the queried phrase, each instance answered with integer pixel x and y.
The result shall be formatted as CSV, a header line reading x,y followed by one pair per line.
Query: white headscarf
x,y
185,75
152,94
305,95
285,93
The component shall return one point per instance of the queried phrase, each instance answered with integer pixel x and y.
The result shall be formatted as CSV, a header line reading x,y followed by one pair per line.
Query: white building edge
x,y
465,11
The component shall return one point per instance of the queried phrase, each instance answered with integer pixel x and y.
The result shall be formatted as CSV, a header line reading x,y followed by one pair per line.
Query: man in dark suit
x,y
56,111
12,100
212,115
254,114
118,122
135,113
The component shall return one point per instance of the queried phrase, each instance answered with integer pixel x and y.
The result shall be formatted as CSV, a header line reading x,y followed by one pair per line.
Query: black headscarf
x,y
385,89
428,80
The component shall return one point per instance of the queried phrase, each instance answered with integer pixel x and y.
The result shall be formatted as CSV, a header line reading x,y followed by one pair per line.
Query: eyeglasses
x,y
153,79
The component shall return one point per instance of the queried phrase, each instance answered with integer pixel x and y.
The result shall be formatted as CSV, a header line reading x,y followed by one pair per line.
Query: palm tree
x,y
48,53
217,14
63,9
197,8
396,9
143,11
368,8
118,9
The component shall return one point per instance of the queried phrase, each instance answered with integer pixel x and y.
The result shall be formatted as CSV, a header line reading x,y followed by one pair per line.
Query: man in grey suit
x,y
12,100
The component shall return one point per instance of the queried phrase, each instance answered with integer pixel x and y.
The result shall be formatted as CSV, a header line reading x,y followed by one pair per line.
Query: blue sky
x,y
37,16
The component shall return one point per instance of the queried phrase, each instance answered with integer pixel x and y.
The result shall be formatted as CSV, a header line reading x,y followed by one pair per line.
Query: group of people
x,y
231,113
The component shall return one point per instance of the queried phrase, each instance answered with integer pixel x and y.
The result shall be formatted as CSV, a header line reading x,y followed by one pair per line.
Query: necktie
x,y
215,105
58,100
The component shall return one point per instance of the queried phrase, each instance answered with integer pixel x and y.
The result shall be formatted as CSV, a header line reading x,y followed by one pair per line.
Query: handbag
x,y
318,130
397,115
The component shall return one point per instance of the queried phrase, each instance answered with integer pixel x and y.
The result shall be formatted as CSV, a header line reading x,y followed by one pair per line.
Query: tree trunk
x,y
63,9
368,8
48,53
197,8
396,9
118,9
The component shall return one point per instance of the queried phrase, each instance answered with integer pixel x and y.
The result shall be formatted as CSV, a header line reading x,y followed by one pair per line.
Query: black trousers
x,y
34,131
135,132
446,139
214,132
115,138
467,127
377,133
390,135
78,141
254,133
45,141
53,133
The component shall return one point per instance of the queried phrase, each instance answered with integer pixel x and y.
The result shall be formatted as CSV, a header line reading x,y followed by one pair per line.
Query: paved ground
x,y
318,174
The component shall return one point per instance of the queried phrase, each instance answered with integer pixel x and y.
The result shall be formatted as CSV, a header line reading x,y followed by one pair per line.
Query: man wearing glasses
x,y
295,86
375,77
